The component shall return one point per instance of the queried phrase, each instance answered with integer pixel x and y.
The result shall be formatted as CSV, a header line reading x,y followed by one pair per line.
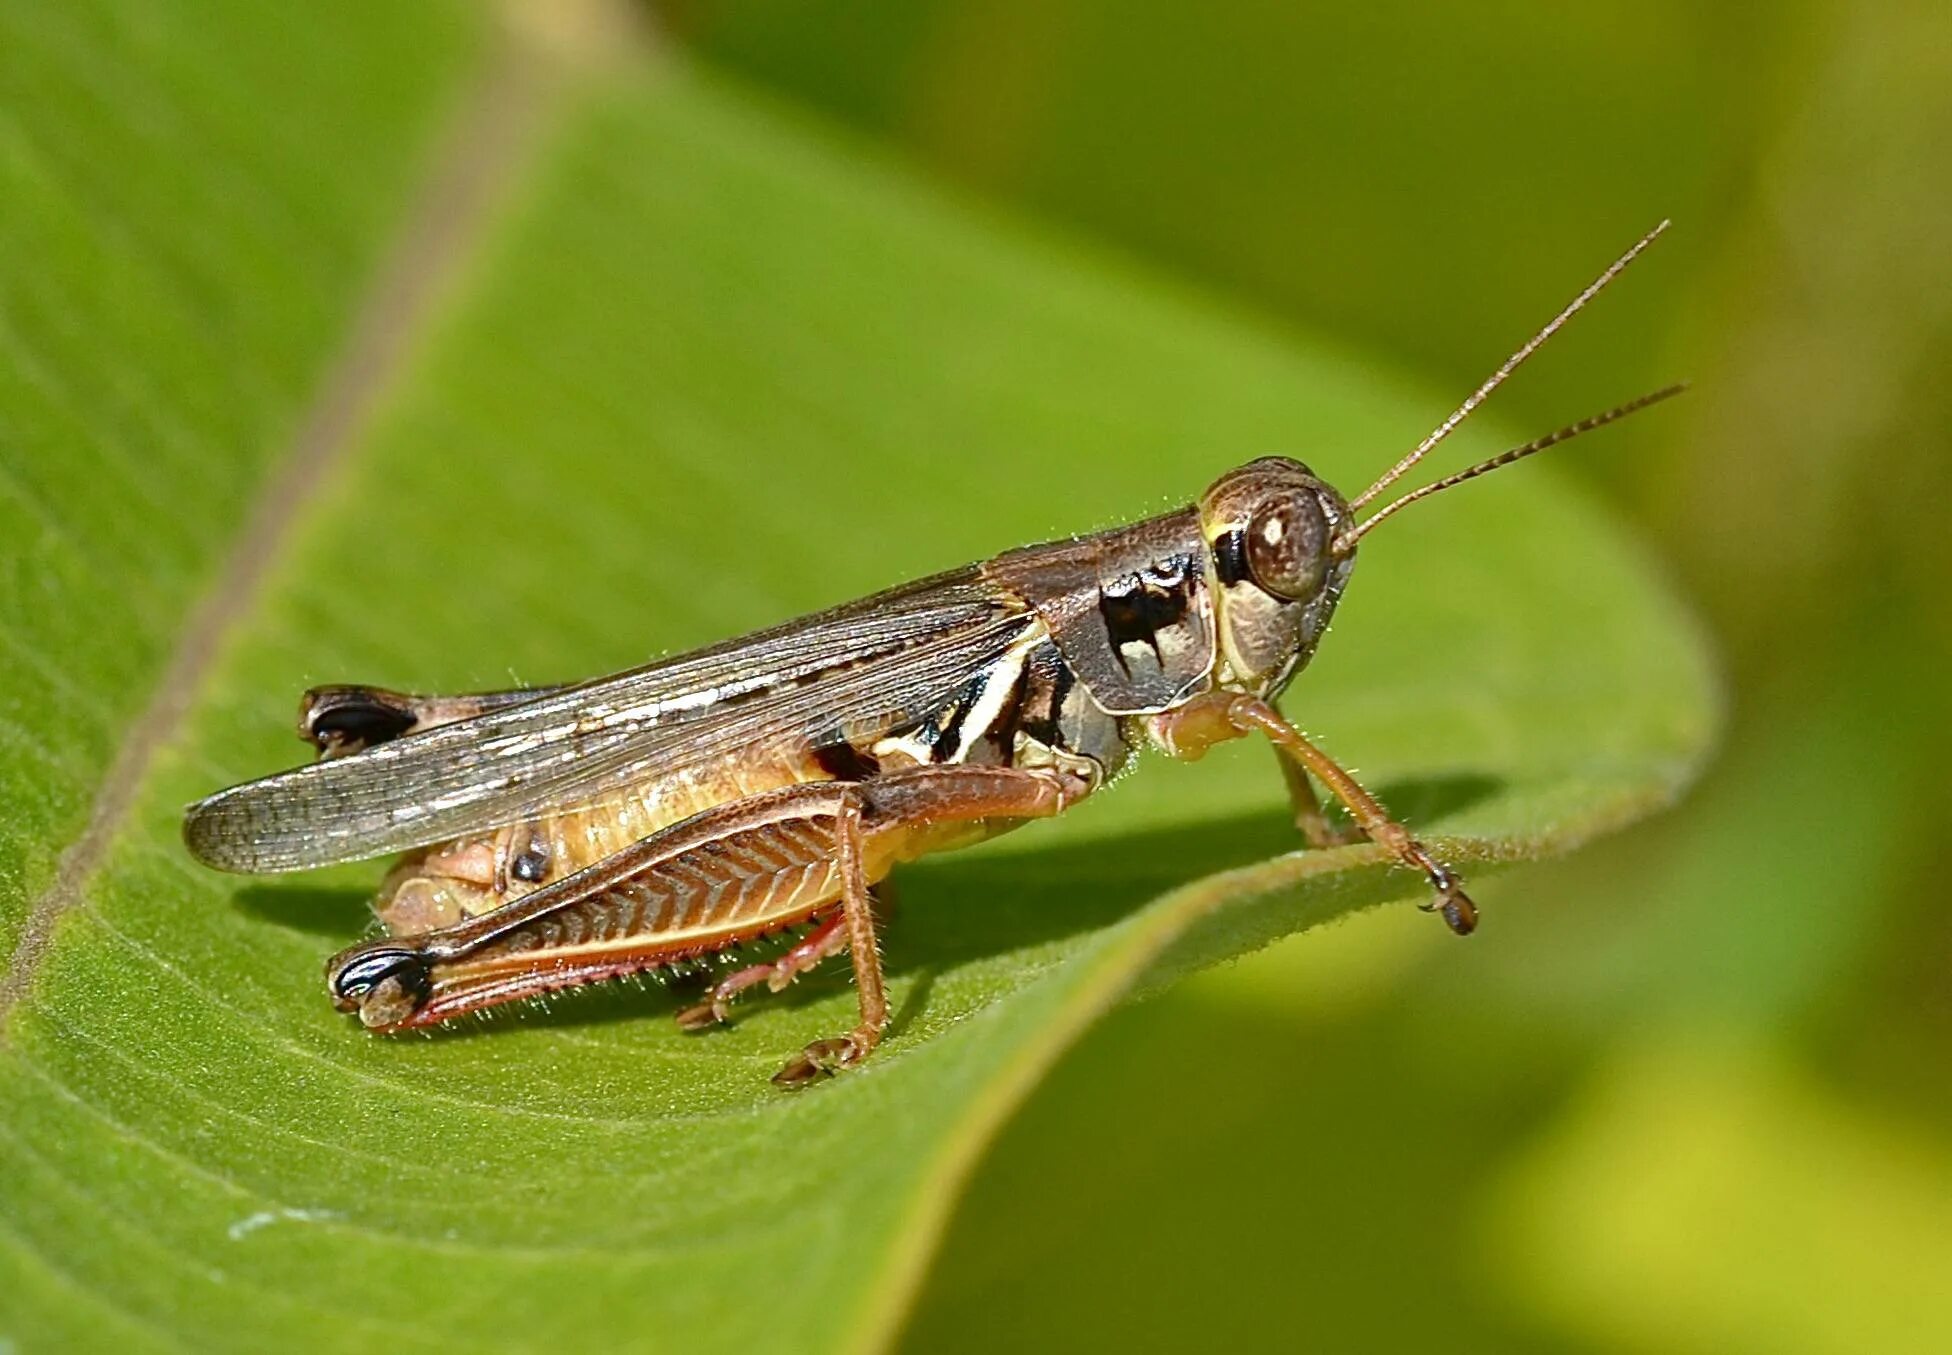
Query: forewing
x,y
875,663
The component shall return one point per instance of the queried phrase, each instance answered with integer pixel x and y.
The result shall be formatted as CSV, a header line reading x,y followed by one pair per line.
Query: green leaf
x,y
679,367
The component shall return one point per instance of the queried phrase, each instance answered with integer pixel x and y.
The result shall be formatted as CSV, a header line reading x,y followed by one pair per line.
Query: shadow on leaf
x,y
330,913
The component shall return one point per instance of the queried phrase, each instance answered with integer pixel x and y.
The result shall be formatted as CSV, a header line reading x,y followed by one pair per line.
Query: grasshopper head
x,y
1283,541
1272,529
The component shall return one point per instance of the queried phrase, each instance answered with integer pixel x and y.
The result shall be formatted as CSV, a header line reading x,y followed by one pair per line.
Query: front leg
x,y
1188,731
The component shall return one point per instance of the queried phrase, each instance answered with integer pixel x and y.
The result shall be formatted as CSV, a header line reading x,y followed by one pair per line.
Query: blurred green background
x,y
1686,1091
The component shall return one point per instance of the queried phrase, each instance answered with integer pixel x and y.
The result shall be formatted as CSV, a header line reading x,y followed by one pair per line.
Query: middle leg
x,y
828,938
1311,815
863,947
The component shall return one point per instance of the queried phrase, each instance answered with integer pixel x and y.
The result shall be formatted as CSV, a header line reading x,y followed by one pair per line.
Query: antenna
x,y
1348,539
1511,364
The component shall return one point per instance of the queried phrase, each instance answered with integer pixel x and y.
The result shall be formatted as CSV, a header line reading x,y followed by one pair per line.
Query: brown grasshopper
x,y
560,836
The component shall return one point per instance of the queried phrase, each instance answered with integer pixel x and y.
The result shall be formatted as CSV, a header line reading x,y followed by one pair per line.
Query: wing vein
x,y
871,665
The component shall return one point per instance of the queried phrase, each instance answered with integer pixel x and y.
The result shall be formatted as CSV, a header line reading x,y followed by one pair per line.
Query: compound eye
x,y
1287,546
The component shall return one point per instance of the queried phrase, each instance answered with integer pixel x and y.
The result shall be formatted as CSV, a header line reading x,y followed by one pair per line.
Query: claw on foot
x,y
1459,913
821,1059
799,1072
703,1016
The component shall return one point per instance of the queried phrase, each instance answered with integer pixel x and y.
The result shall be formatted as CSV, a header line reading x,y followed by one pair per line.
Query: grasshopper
x,y
553,837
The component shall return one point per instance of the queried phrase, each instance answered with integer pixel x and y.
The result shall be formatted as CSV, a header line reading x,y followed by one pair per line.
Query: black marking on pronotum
x,y
1139,606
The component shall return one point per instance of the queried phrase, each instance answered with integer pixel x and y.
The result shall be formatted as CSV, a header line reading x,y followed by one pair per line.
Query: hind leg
x,y
821,838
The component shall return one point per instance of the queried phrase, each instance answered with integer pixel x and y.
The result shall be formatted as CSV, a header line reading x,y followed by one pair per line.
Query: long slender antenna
x,y
1492,382
1349,538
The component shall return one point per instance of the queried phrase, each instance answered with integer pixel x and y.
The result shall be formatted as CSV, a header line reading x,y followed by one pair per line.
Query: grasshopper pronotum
x,y
561,836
